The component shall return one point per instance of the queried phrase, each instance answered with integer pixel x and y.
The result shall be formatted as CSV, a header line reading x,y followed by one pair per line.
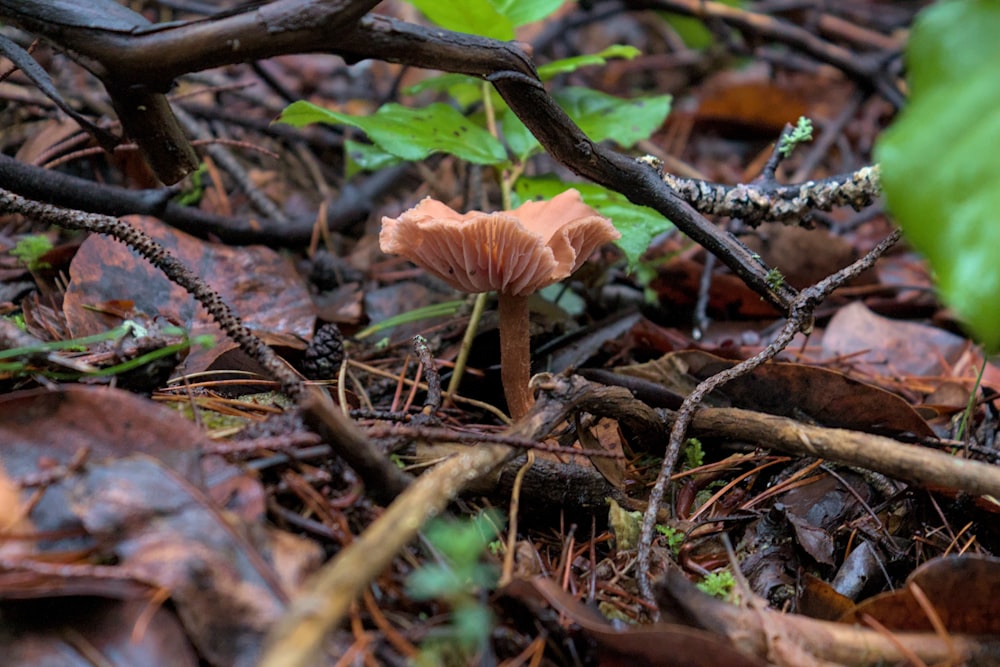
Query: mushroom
x,y
516,253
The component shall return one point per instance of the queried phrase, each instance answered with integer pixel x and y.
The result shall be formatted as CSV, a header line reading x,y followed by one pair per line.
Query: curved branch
x,y
156,55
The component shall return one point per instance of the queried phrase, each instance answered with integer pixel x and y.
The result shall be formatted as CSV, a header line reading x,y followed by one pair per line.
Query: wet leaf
x,y
790,390
964,591
818,599
138,502
939,182
886,346
478,17
261,286
816,511
411,134
61,632
161,527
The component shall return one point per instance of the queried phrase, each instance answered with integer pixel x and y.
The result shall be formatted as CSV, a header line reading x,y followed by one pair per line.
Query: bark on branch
x,y
138,62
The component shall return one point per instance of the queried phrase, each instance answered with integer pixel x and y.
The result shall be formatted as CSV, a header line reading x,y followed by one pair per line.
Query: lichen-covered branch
x,y
754,204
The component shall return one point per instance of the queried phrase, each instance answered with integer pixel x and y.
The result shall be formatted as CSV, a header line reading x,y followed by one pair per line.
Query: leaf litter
x,y
145,534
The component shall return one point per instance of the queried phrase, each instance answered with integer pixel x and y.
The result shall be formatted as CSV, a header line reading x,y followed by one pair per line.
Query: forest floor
x,y
164,502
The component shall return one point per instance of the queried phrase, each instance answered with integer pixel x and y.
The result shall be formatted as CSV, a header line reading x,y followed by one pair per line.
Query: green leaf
x,y
693,31
602,116
520,140
433,581
473,624
464,89
476,17
939,173
569,301
411,134
522,12
949,40
366,157
460,542
549,70
637,224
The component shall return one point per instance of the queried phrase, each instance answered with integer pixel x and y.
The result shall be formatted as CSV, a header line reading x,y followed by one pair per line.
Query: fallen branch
x,y
298,638
133,61
383,480
925,466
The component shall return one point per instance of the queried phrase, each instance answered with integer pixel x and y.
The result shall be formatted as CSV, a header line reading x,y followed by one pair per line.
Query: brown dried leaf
x,y
641,645
791,390
260,285
964,590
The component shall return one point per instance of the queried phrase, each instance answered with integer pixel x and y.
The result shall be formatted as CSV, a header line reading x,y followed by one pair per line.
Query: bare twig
x,y
800,319
868,68
298,637
423,351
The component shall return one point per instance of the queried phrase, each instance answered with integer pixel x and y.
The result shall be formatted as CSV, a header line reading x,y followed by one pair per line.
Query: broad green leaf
x,y
475,17
366,157
411,134
522,12
940,171
549,70
474,622
602,116
464,89
950,40
637,224
520,140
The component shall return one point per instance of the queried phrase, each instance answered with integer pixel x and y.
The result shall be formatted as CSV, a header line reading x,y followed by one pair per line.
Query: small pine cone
x,y
325,353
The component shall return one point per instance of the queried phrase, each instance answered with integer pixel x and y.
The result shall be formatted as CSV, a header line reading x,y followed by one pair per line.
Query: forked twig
x,y
800,320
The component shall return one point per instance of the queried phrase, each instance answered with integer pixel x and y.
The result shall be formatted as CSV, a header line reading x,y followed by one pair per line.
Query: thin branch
x,y
150,59
869,68
758,203
800,320
383,480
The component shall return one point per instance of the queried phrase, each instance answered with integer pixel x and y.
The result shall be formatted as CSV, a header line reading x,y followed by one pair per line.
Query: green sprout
x,y
718,584
694,455
675,538
457,581
30,250
775,279
801,133
17,319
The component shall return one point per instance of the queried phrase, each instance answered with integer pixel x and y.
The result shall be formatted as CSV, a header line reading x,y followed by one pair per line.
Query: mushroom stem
x,y
515,354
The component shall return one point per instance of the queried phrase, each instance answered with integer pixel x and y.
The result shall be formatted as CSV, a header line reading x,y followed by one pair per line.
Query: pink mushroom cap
x,y
514,252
